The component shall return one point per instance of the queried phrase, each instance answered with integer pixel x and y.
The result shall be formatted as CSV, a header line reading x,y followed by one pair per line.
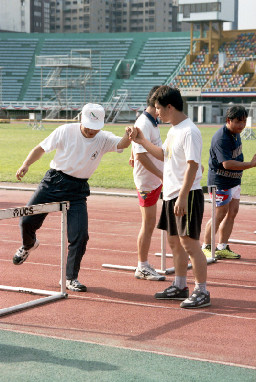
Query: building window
x,y
186,9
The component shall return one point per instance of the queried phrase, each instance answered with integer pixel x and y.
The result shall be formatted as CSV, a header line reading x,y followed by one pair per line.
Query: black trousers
x,y
56,187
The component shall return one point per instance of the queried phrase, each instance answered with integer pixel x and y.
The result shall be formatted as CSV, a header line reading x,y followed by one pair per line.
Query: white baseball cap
x,y
93,116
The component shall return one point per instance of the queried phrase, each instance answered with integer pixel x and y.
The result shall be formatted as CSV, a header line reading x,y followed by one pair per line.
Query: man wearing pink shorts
x,y
148,174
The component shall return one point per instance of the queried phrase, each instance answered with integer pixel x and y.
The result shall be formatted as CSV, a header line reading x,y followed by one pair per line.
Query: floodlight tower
x,y
210,15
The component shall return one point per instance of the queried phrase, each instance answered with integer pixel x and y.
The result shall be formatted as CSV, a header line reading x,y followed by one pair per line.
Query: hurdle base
x,y
128,268
246,242
172,270
160,271
211,260
50,296
167,254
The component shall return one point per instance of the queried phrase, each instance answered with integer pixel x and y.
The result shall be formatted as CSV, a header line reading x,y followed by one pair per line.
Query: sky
x,y
247,14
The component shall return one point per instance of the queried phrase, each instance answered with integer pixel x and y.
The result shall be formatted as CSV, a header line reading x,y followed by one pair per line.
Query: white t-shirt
x,y
183,143
144,180
76,155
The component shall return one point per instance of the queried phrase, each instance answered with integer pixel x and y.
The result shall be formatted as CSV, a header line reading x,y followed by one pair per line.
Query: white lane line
x,y
124,251
150,305
122,302
59,245
103,344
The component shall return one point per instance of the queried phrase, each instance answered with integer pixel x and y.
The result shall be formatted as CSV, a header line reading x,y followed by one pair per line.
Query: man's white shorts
x,y
225,196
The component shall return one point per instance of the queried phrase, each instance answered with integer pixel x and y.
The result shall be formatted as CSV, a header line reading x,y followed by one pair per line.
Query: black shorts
x,y
187,225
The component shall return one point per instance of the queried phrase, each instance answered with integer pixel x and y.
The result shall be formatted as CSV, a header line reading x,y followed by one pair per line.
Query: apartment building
x,y
92,16
25,16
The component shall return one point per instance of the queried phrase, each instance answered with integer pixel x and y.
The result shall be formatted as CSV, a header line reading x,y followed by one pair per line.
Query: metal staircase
x,y
68,73
248,133
115,105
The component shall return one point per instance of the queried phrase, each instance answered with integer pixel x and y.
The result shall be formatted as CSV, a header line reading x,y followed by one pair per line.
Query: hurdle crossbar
x,y
50,295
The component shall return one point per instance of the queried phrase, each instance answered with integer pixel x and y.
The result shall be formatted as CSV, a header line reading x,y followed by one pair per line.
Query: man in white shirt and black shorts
x,y
79,149
183,199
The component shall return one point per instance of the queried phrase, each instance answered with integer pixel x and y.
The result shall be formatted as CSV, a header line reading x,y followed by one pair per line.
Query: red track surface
x,y
120,310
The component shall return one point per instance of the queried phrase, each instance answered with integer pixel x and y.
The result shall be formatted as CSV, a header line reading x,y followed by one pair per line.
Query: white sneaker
x,y
75,286
22,254
198,299
148,273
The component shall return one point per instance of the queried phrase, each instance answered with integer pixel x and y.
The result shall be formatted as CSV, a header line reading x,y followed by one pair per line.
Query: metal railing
x,y
50,61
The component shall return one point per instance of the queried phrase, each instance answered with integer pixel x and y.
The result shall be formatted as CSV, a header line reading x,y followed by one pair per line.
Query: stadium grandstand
x,y
55,74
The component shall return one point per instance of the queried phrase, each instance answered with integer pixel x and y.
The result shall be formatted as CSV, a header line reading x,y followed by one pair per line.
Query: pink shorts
x,y
149,198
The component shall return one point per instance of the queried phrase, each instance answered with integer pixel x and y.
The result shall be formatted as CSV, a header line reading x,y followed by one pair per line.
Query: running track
x,y
119,310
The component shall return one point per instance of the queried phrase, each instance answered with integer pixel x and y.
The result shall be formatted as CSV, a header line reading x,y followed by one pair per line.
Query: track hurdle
x,y
51,295
163,253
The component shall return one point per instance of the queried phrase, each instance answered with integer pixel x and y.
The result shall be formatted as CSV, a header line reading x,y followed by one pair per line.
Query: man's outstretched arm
x,y
137,136
32,157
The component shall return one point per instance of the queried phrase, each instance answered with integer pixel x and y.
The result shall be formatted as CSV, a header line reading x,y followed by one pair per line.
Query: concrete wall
x,y
14,16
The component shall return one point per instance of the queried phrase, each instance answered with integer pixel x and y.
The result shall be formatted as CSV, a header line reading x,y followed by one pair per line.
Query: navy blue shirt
x,y
224,146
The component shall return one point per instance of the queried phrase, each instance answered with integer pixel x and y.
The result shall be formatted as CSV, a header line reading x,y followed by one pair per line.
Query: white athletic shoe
x,y
22,254
75,286
148,273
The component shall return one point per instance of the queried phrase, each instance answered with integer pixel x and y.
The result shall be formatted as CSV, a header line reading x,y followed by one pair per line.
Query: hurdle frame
x,y
50,295
163,254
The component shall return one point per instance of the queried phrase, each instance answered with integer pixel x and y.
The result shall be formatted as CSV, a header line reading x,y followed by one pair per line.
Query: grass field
x,y
17,139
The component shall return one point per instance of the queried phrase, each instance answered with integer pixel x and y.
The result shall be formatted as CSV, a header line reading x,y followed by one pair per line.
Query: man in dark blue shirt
x,y
226,165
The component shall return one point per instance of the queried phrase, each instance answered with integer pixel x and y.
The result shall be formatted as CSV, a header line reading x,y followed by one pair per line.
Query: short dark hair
x,y
166,95
238,112
150,102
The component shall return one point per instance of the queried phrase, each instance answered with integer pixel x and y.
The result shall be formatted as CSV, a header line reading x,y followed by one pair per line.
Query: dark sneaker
x,y
22,254
173,293
198,299
75,286
226,254
148,273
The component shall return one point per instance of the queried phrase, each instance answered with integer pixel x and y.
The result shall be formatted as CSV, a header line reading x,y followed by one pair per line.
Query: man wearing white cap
x,y
79,149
